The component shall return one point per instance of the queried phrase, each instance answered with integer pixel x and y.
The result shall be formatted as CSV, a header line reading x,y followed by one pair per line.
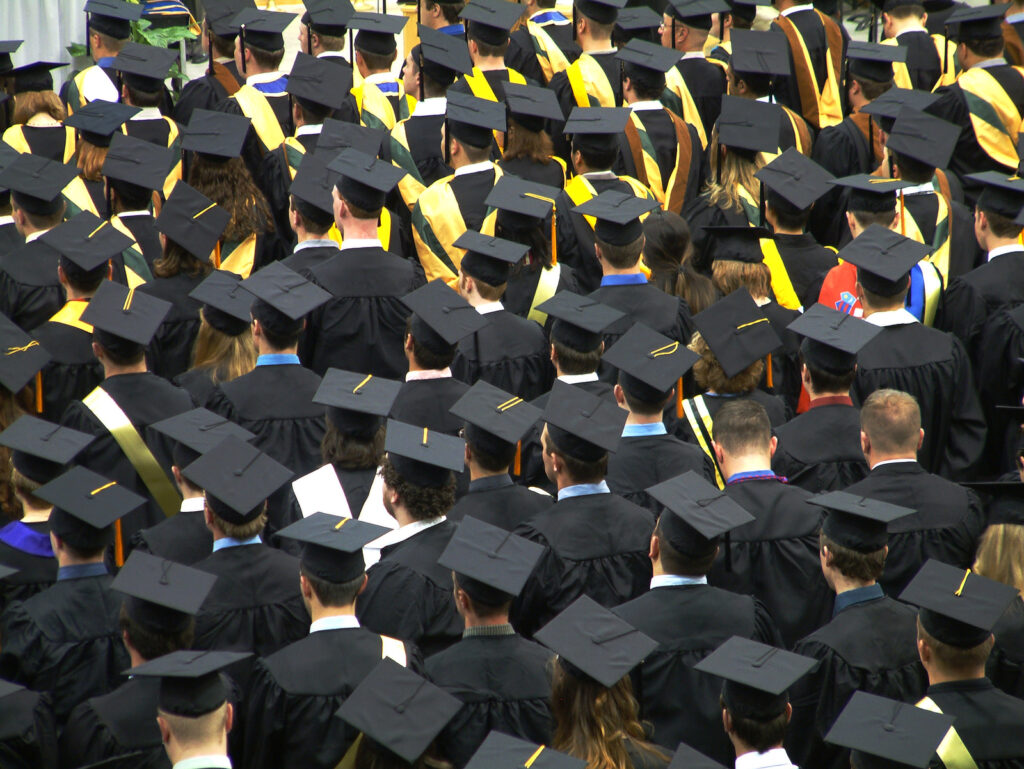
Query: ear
x,y
920,439
229,720
178,478
654,550
408,343
165,733
865,443
726,721
719,454
97,352
304,587
620,396
773,444
467,455
363,586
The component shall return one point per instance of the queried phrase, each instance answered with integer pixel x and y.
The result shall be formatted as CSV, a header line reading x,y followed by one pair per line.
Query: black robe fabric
x,y
73,371
10,238
521,54
947,525
362,328
115,724
426,403
409,596
786,381
304,260
504,684
773,404
566,101
35,572
170,351
842,150
707,84
551,173
423,133
28,733
183,538
964,252
806,263
499,502
689,622
987,720
775,557
1000,378
595,545
870,646
933,367
198,383
700,213
29,290
509,352
819,450
812,30
938,12
640,462
1005,665
522,288
289,714
356,484
275,178
145,399
923,62
143,229
204,92
66,641
46,141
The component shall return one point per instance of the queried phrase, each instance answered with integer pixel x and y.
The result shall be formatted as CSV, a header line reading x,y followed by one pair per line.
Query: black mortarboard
x,y
491,564
759,53
749,126
531,105
902,735
36,183
637,18
582,425
488,258
33,77
197,431
924,138
440,316
85,506
237,478
696,13
522,205
262,29
1007,500
193,221
756,676
314,80
215,135
737,332
647,56
7,47
873,61
958,607
874,194
364,181
1001,194
976,22
883,259
495,419
472,119
137,162
332,546
618,216
649,363
98,120
502,750
857,522
112,17
490,20
445,57
356,403
601,11
399,709
832,339
337,135
736,244
794,180
21,356
328,17
220,15
125,313
40,449
313,188
376,32
421,456
87,241
145,67
190,681
596,128
696,513
163,596
283,298
686,757
595,642
579,320
887,107
226,302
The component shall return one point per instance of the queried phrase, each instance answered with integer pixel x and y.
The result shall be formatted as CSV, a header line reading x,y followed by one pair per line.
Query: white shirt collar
x,y
6,220
350,243
797,9
891,462
692,55
999,61
638,106
332,55
1000,250
908,30
435,105
776,758
898,317
403,533
309,130
422,376
35,235
489,307
192,504
148,113
340,622
577,378
1013,18
609,174
674,580
315,243
917,189
202,762
264,77
475,168
144,212
380,77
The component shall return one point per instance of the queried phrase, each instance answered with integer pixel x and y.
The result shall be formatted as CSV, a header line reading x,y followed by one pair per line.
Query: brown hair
x,y
742,426
350,452
988,47
621,257
488,292
264,58
956,659
571,361
668,252
26,487
762,736
231,186
12,407
736,171
28,104
710,376
852,564
872,89
151,644
421,502
729,275
892,421
90,160
246,530
900,12
225,357
1001,226
177,260
1001,554
521,143
675,562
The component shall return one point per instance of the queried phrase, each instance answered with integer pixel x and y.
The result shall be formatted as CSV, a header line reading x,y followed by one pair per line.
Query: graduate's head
x,y
954,660
478,600
421,491
259,46
579,431
442,13
351,447
742,429
890,425
426,347
680,549
710,375
853,541
124,322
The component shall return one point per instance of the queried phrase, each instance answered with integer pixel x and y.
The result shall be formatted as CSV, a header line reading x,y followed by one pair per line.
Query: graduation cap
x,y
217,136
356,403
125,313
832,339
283,298
884,259
162,595
313,81
874,194
737,244
749,126
695,13
857,522
399,709
495,420
502,750
686,757
441,317
41,449
33,77
21,356
649,363
579,320
976,22
376,32
98,120
472,120
442,57
262,29
490,564
237,478
696,513
313,188
193,221
924,138
1007,500
1000,194
644,59
873,61
637,19
328,17
601,11
87,241
618,216
190,681
36,183
582,425
488,258
337,135
530,106
522,205
757,676
596,128
595,642
85,506
136,162
887,107
112,17
198,431
364,180
220,16
7,47
226,302
793,181
332,545
737,332
422,456
897,732
145,67
490,20
958,606
758,53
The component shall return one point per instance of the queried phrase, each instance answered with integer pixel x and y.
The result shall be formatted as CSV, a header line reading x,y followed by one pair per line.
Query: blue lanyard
x,y
753,475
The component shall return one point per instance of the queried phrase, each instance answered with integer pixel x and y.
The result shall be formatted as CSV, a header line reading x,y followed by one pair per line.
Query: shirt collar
x,y
624,279
81,570
598,175
192,505
831,400
148,113
751,475
264,77
489,631
475,168
898,317
332,55
488,307
204,762
1000,250
692,55
5,220
578,378
770,759
490,483
436,105
892,462
126,214
278,359
433,373
641,106
999,61
35,235
315,243
340,622
225,542
312,129
403,533
857,595
1014,18
676,580
918,189
452,29
797,9
911,30
350,243
638,431
380,77
549,14
583,489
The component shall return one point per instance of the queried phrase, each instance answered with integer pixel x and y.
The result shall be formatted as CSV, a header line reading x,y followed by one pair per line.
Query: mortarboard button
x,y
748,125
190,681
87,241
927,139
488,258
85,507
857,522
883,259
582,425
162,595
40,449
649,363
99,120
215,134
491,564
423,457
313,80
332,545
440,316
125,312
832,339
137,161
579,320
495,419
21,356
795,179
696,513
285,290
737,332
502,750
193,221
364,180
226,302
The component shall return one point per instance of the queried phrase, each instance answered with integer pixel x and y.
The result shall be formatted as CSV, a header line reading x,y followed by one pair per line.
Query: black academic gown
x,y
923,62
500,502
700,213
182,538
23,547
869,646
806,263
987,720
689,622
819,450
426,403
812,30
1005,665
73,371
550,174
1000,378
522,289
964,252
423,132
773,404
933,367
198,383
775,557
362,328
842,150
509,352
947,525
938,12
275,179
143,229
504,684
66,641
786,362
10,238
303,260
707,84
170,351
204,92
566,101
640,462
289,716
408,594
595,545
29,290
28,733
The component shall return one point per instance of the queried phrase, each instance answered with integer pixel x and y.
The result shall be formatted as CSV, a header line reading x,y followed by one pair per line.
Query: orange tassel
x,y
679,398
39,392
216,255
903,220
768,371
118,544
554,240
517,468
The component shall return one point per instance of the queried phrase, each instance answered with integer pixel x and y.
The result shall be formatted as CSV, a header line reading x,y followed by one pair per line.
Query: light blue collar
x,y
105,61
226,542
627,279
676,580
315,243
453,29
583,489
1014,18
639,431
278,359
81,570
997,62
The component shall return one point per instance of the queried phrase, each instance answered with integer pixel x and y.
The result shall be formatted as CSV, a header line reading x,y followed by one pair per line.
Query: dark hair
x,y
225,46
866,218
372,755
122,352
642,407
489,50
621,257
86,281
668,252
450,11
140,98
521,142
131,196
853,564
911,10
956,659
351,452
579,470
422,502
787,217
826,382
176,260
312,219
426,358
986,47
312,112
575,362
481,609
333,594
264,58
877,300
742,425
1001,226
490,461
597,159
675,562
760,735
912,169
871,89
378,62
42,221
647,83
151,644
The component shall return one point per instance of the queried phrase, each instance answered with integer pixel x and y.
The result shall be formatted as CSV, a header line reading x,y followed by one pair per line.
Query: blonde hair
x,y
736,170
1001,554
90,160
730,275
227,357
710,376
28,104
